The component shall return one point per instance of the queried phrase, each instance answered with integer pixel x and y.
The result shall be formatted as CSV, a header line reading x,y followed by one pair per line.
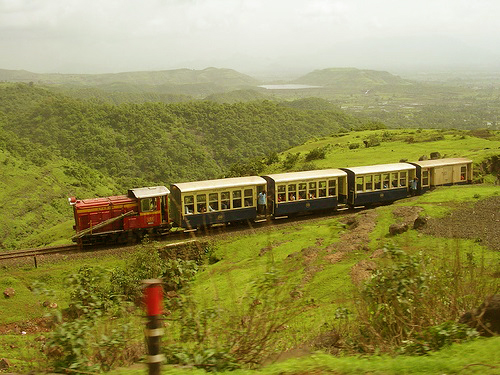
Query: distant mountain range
x,y
189,81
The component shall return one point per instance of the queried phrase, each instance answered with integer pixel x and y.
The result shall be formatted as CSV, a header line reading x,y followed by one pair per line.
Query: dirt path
x,y
478,221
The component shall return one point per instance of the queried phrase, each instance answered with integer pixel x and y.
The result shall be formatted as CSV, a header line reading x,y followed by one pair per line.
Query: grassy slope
x,y
245,257
394,147
34,200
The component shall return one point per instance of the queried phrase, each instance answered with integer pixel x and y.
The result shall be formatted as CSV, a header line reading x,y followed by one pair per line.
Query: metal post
x,y
153,298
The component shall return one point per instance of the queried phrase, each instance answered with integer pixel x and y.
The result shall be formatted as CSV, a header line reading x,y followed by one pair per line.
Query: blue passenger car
x,y
204,203
378,183
297,192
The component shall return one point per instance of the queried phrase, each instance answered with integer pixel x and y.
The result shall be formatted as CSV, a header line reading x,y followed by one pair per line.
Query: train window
x,y
224,201
188,204
322,189
281,193
292,192
359,184
394,179
369,182
402,179
425,177
312,190
213,202
237,199
302,190
463,173
386,180
332,188
148,204
201,203
248,195
376,182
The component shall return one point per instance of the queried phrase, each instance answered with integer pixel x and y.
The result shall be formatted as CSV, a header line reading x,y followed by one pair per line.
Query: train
x,y
158,210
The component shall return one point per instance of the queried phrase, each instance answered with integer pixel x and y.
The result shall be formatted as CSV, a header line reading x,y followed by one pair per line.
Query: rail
x,y
36,252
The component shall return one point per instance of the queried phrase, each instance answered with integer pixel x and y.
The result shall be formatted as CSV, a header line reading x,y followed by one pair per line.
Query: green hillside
x,y
137,145
350,77
223,77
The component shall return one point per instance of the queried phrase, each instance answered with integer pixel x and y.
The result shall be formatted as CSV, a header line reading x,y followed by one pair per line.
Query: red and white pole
x,y
153,295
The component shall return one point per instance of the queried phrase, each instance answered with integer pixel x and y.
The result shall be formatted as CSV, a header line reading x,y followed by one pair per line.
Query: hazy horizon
x,y
254,37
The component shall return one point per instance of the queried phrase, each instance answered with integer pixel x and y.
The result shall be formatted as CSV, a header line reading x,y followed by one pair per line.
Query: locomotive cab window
x,y
188,204
148,204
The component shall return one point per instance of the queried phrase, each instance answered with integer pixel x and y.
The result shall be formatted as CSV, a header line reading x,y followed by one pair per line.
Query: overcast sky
x,y
101,36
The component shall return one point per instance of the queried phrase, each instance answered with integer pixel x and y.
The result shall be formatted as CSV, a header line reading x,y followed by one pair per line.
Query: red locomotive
x,y
121,218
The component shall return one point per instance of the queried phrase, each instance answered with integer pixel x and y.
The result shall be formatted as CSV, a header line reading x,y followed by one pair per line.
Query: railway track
x,y
39,251
183,236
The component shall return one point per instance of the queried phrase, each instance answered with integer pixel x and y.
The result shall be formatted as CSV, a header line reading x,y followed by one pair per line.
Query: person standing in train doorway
x,y
414,186
261,203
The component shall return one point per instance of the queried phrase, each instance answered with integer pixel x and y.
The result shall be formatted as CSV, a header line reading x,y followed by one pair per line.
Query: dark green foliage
x,y
250,168
317,153
216,339
154,143
372,141
437,337
290,160
94,333
353,146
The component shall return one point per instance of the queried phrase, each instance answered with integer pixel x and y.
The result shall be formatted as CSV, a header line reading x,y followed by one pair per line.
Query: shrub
x,y
316,153
437,337
290,160
353,146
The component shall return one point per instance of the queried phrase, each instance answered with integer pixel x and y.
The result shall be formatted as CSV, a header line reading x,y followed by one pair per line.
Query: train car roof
x,y
148,192
223,183
380,168
306,175
441,162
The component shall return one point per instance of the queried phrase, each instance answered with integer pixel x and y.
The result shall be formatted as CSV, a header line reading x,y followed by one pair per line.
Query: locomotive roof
x,y
148,192
306,175
441,162
220,183
381,168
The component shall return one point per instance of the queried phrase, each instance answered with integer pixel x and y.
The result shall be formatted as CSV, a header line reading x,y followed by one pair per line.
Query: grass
x,y
477,357
246,258
394,147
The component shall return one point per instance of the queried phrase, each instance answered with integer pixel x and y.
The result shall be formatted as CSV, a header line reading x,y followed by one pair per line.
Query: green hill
x,y
222,77
350,77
